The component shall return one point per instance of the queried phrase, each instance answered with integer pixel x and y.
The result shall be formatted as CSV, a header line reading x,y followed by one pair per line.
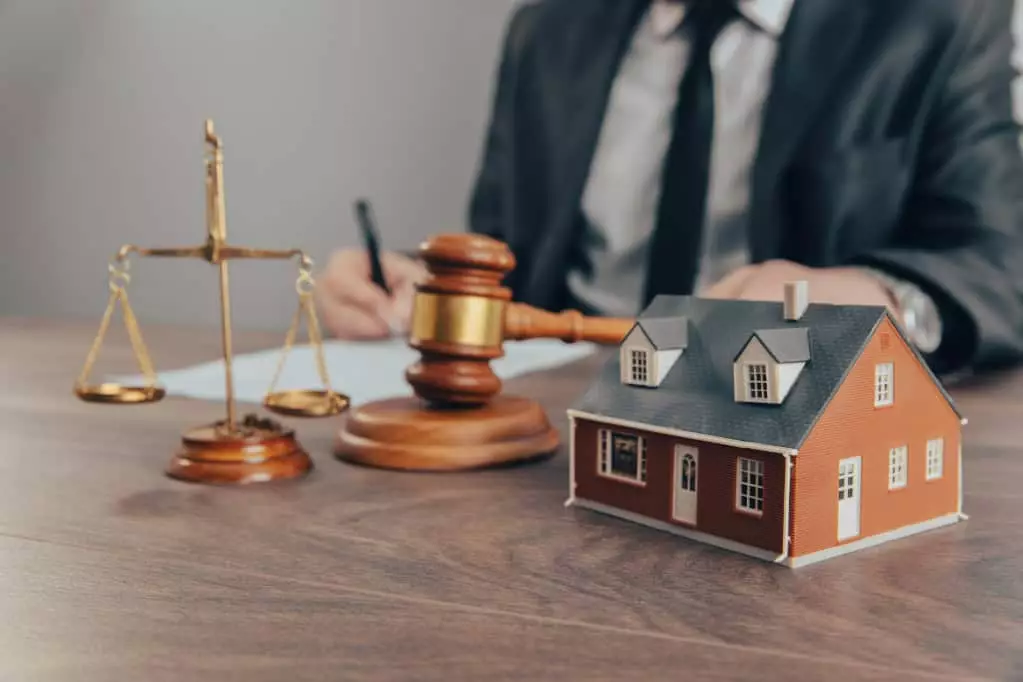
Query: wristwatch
x,y
916,310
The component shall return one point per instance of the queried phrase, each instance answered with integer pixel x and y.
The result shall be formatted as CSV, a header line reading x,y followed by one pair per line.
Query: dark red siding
x,y
716,486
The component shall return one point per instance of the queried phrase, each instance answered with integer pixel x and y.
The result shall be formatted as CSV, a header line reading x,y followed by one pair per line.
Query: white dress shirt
x,y
622,192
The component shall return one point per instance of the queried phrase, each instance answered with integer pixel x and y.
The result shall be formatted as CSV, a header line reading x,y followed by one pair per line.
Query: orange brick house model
x,y
792,432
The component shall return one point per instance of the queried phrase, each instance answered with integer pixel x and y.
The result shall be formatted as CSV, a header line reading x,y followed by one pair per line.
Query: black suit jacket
x,y
888,139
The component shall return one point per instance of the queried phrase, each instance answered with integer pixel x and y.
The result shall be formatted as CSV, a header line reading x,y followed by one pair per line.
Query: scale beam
x,y
205,252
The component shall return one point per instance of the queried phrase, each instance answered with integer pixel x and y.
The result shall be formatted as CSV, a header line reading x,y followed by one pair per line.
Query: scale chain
x,y
97,343
135,336
316,337
119,278
288,341
304,286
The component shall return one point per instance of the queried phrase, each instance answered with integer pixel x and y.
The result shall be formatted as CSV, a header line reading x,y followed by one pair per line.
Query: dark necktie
x,y
674,247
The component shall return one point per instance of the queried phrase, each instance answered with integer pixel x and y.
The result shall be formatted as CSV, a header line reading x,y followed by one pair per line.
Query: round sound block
x,y
257,451
403,433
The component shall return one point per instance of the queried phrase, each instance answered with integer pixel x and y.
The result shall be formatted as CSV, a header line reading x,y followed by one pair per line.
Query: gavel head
x,y
458,319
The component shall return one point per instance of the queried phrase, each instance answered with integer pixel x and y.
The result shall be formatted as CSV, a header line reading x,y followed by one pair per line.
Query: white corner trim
x,y
874,540
704,538
959,473
571,460
573,414
786,538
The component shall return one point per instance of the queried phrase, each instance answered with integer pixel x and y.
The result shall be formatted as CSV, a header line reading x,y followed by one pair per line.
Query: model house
x,y
792,432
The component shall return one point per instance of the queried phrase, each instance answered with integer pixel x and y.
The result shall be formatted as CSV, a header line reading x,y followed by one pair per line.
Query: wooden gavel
x,y
462,315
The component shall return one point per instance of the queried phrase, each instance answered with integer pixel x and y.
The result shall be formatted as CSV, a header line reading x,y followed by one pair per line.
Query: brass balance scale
x,y
230,451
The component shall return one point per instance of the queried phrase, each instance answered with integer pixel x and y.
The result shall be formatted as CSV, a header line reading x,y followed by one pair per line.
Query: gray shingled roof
x,y
666,333
697,395
791,344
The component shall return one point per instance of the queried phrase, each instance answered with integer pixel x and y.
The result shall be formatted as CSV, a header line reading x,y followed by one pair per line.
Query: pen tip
x,y
362,209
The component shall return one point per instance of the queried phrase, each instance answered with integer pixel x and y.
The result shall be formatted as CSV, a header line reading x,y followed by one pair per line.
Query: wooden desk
x,y
109,571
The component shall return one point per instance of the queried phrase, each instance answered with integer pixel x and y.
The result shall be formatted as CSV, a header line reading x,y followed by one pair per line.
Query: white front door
x,y
684,496
848,498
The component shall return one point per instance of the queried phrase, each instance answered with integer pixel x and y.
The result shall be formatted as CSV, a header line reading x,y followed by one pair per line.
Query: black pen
x,y
369,237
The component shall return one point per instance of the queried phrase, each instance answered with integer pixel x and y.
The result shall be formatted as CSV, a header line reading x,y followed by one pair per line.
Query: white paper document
x,y
364,371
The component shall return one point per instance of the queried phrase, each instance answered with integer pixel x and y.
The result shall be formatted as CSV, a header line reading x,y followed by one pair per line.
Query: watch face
x,y
923,324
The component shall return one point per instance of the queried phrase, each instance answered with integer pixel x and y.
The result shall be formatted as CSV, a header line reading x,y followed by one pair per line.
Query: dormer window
x,y
650,350
757,389
639,365
770,363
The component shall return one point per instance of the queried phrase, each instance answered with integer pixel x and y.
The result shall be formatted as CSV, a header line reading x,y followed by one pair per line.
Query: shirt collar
x,y
769,15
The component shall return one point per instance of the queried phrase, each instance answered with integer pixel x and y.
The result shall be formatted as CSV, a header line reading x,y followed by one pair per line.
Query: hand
x,y
766,282
353,307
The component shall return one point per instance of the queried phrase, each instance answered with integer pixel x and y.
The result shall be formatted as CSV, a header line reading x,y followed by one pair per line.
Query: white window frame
x,y
604,458
639,357
884,384
898,468
753,501
687,476
748,381
935,459
847,475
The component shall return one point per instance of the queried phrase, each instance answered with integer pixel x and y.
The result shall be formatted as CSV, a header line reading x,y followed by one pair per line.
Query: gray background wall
x,y
102,104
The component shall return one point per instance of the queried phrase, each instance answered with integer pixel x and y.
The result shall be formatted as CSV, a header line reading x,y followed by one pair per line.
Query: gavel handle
x,y
522,321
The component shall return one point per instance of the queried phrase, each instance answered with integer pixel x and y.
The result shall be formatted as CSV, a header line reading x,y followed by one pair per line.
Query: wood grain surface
x,y
110,571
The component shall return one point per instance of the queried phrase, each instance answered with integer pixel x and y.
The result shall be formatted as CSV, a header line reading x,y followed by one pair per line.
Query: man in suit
x,y
722,147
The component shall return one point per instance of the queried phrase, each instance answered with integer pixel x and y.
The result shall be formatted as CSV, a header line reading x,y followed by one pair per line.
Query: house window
x,y
883,384
935,458
622,456
639,366
750,481
897,468
688,481
846,480
756,381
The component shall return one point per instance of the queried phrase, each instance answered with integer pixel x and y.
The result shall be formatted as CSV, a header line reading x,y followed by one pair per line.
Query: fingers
x,y
348,281
768,282
347,322
400,271
731,285
759,282
403,276
353,306
401,308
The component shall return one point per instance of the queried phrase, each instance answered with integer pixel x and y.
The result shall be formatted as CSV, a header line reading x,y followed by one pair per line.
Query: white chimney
x,y
796,299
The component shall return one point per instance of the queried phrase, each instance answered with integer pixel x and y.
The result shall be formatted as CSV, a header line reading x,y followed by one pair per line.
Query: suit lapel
x,y
818,41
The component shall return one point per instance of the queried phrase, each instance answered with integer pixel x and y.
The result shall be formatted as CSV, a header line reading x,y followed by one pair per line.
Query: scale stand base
x,y
257,451
405,434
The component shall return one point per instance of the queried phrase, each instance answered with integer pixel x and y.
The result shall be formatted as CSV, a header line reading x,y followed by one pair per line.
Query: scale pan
x,y
118,394
311,403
